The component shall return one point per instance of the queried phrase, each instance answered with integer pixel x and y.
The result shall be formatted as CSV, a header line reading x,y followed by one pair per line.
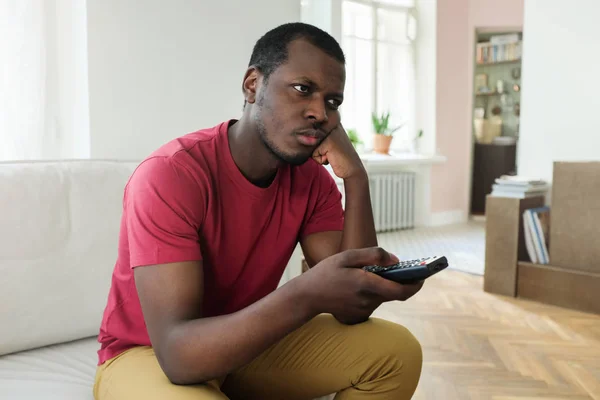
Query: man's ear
x,y
250,84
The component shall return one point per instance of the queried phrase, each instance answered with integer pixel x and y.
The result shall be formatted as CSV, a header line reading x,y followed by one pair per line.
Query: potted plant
x,y
354,138
383,134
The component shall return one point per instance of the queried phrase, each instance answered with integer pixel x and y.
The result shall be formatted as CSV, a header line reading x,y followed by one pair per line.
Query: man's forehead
x,y
306,59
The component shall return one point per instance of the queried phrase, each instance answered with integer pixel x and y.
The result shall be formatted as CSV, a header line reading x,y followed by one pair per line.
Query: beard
x,y
293,159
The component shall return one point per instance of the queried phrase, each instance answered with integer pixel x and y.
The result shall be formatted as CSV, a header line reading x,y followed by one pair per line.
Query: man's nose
x,y
317,111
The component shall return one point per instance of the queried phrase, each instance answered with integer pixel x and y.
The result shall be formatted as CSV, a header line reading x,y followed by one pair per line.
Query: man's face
x,y
298,107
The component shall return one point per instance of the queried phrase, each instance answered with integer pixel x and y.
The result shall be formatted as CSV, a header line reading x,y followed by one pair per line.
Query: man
x,y
209,223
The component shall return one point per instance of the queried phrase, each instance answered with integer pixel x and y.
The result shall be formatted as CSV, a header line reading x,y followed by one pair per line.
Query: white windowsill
x,y
400,159
374,162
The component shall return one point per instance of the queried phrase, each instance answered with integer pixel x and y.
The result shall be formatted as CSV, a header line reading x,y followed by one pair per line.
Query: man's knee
x,y
396,341
395,358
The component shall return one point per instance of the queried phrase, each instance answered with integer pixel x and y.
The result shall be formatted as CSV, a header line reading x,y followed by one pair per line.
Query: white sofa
x,y
59,225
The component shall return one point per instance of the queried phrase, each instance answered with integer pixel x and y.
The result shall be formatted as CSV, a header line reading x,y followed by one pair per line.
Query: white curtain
x,y
23,79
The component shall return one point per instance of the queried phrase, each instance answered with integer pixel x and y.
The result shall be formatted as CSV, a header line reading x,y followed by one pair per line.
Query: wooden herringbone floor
x,y
482,346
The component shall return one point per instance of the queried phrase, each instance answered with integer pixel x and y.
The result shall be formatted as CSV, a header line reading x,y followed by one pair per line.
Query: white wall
x,y
559,102
324,14
164,69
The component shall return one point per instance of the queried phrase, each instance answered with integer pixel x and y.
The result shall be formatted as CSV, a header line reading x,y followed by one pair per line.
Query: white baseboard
x,y
448,218
478,218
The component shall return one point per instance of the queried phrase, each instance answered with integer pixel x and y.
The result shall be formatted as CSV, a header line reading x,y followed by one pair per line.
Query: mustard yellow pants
x,y
373,360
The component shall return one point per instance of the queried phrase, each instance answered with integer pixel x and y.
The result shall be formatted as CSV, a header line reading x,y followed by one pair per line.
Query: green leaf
x,y
381,124
353,136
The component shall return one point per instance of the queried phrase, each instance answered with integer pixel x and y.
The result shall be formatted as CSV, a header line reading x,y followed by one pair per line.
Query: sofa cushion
x,y
59,226
59,372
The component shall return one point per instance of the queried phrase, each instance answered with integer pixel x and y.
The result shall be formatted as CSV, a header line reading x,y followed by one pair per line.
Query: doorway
x,y
496,111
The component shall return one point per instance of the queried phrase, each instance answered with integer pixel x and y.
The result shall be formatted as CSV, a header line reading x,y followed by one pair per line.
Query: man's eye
x,y
335,104
301,88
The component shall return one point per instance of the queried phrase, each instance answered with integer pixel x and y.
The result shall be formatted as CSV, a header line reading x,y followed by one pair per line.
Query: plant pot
x,y
381,143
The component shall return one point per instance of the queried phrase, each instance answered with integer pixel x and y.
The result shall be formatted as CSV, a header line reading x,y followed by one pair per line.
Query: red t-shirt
x,y
189,201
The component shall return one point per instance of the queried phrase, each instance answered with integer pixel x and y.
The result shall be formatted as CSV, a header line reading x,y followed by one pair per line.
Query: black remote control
x,y
410,271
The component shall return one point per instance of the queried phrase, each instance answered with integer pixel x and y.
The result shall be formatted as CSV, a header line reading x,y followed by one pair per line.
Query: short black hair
x,y
271,50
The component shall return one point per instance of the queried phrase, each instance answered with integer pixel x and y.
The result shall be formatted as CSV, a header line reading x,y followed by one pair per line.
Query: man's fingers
x,y
319,157
368,256
412,289
390,290
370,301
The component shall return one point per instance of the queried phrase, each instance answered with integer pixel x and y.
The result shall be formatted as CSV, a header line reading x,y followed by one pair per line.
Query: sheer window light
x,y
377,38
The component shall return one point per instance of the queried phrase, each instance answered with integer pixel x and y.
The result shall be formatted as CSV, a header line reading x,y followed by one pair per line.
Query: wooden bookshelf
x,y
559,286
499,62
572,278
488,94
505,242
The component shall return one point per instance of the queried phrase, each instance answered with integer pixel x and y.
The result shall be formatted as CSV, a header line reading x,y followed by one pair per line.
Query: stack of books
x,y
519,187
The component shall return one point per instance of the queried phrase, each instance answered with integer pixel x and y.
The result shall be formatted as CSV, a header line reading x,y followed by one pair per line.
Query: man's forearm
x,y
209,348
359,227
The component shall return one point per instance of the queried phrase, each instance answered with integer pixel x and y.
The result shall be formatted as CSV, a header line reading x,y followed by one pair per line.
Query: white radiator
x,y
392,198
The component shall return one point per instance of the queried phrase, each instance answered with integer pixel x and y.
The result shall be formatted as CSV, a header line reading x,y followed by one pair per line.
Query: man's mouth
x,y
310,137
308,140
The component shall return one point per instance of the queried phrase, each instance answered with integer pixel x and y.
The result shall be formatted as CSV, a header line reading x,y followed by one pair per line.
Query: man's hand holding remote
x,y
339,286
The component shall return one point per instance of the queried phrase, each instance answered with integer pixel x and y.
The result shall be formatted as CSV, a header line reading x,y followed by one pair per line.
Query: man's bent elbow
x,y
180,369
179,373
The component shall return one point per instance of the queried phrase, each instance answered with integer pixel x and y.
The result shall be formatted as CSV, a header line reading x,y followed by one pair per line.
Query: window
x,y
378,39
23,84
44,112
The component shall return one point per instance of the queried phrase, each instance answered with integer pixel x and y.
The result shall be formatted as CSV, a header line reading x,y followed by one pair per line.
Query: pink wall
x,y
496,13
447,184
456,24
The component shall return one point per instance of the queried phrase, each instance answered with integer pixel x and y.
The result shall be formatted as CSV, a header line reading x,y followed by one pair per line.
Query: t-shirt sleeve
x,y
163,212
328,213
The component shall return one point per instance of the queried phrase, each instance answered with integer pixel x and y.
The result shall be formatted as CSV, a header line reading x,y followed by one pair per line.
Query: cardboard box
x,y
575,216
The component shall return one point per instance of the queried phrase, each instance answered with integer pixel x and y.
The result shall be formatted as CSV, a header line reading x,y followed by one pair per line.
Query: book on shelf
x,y
516,193
519,180
499,51
536,228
